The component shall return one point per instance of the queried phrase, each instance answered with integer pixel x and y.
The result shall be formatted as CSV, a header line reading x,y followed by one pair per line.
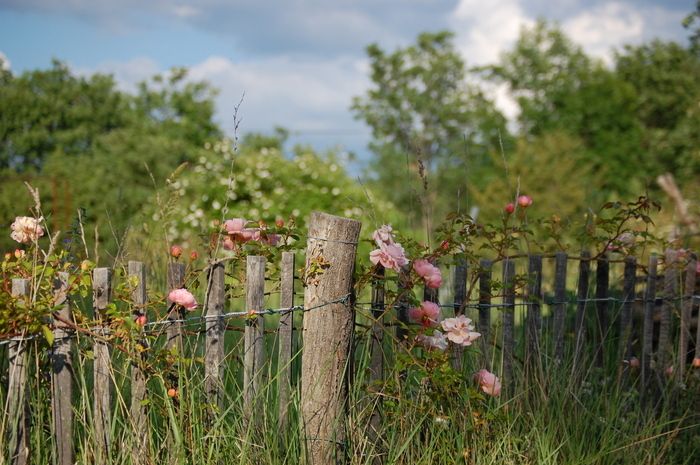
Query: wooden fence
x,y
512,313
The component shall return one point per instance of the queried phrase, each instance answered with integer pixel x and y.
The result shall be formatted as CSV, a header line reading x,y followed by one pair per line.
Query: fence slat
x,y
214,340
484,326
460,295
254,336
286,338
102,295
667,309
62,373
602,285
508,322
534,310
137,411
16,412
686,313
404,288
560,264
584,271
628,296
327,336
648,334
376,365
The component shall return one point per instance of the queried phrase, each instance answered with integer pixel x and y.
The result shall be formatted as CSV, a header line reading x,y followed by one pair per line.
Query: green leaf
x,y
48,334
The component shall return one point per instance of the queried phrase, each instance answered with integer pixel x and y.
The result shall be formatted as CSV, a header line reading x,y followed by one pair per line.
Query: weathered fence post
x,y
648,331
628,296
508,323
484,326
560,265
584,270
376,364
102,294
16,412
328,330
254,337
686,311
460,297
138,417
286,339
602,284
664,349
534,311
62,373
214,340
176,280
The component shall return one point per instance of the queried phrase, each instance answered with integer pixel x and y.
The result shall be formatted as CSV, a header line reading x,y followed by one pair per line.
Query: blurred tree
x,y
428,124
559,88
85,144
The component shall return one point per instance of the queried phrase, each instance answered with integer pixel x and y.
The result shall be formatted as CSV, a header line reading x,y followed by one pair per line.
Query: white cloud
x,y
5,62
127,74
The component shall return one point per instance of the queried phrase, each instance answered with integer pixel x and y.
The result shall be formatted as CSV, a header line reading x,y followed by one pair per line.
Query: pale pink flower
x,y
488,382
437,341
228,243
184,298
428,314
524,201
430,273
390,256
460,330
26,229
234,225
383,235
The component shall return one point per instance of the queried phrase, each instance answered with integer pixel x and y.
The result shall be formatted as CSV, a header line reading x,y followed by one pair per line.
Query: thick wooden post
x,y
648,334
484,326
508,323
214,341
560,264
686,311
328,330
664,358
16,413
254,337
138,414
376,364
286,339
102,400
534,311
62,374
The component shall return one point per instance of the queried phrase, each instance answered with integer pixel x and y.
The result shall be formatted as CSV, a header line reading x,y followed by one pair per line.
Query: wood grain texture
x,y
214,338
102,376
62,374
138,416
16,408
286,338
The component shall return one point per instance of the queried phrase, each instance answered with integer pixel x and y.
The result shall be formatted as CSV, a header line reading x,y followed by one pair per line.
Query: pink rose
x,y
460,330
183,297
437,341
509,208
488,382
524,201
234,225
26,229
383,235
390,256
430,273
428,314
634,362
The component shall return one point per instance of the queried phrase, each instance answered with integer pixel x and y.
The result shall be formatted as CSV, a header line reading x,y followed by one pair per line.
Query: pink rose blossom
x,y
430,273
26,229
428,314
488,382
390,256
524,201
509,208
437,341
235,225
383,235
183,297
460,330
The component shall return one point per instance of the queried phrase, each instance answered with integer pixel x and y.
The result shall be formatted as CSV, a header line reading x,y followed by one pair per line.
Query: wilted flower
x,y
429,272
488,382
383,235
26,229
460,330
390,256
184,298
437,341
19,254
428,314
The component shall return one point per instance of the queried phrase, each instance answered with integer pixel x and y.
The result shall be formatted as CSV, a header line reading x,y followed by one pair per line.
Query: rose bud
x,y
194,255
141,320
279,222
509,208
172,392
175,251
524,201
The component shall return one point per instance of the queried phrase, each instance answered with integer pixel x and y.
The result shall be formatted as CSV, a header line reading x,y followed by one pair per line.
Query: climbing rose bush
x,y
429,272
183,298
427,314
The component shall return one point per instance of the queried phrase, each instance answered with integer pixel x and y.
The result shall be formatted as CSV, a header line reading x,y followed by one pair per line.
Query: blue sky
x,y
299,62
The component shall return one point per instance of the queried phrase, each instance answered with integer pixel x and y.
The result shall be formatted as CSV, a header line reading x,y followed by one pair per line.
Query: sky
x,y
298,63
